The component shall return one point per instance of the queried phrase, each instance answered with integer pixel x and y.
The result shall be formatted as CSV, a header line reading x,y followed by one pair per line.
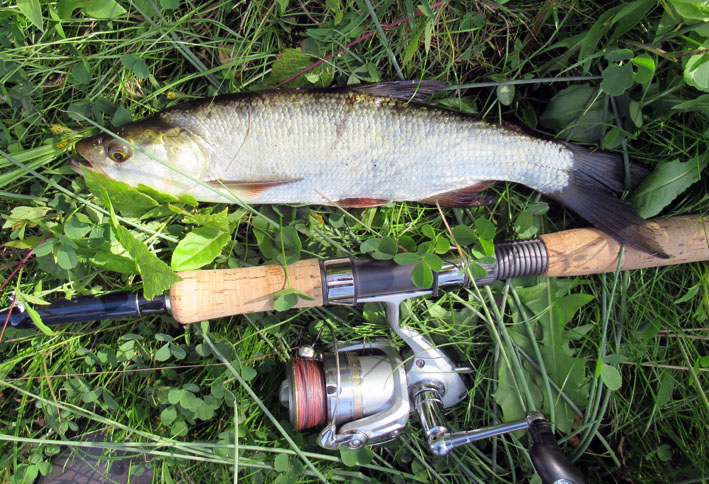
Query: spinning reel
x,y
363,393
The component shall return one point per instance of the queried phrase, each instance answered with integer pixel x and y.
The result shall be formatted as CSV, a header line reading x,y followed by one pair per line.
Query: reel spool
x,y
310,389
303,393
361,387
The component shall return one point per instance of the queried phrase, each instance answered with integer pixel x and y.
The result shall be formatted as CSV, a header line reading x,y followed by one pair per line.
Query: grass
x,y
206,408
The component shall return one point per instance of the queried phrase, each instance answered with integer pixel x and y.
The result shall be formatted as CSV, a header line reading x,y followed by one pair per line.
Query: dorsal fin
x,y
416,91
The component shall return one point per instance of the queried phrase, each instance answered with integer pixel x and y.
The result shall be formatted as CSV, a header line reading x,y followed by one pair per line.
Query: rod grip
x,y
209,294
590,251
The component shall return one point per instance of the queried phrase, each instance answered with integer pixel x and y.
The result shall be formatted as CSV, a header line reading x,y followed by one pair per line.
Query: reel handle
x,y
548,459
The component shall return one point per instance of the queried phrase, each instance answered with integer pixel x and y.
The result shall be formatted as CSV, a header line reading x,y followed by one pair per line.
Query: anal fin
x,y
361,202
467,197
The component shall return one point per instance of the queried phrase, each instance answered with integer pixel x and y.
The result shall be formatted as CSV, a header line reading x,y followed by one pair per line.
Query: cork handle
x,y
202,295
589,251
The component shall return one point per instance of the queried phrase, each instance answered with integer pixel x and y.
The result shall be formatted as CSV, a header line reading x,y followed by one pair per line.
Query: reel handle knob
x,y
548,459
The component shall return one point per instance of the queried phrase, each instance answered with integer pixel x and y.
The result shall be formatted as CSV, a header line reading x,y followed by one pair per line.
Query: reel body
x,y
366,384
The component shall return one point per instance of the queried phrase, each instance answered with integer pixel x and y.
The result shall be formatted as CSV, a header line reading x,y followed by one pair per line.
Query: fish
x,y
360,146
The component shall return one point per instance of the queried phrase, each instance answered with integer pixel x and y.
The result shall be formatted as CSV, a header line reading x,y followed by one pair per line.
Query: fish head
x,y
148,152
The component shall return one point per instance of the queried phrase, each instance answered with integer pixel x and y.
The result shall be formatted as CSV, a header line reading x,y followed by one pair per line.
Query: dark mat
x,y
92,466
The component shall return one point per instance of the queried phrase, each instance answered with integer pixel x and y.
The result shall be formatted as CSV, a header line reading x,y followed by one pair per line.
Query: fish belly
x,y
320,148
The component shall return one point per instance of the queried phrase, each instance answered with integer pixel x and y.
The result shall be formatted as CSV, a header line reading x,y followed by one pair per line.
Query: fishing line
x,y
20,265
516,82
136,370
309,398
352,44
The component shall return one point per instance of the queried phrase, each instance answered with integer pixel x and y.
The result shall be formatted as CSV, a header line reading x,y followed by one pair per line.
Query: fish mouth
x,y
78,165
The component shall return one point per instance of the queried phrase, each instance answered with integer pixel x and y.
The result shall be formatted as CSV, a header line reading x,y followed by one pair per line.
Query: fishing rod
x,y
362,393
209,294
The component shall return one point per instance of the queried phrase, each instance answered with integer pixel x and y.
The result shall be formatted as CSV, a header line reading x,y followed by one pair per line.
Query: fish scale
x,y
367,147
361,146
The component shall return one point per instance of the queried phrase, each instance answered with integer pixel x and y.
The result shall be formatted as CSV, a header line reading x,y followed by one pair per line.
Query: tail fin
x,y
590,193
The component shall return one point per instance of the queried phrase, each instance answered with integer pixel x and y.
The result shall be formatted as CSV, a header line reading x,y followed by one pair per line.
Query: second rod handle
x,y
590,251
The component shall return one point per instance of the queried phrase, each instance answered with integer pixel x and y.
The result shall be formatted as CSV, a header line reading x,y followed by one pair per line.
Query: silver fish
x,y
356,147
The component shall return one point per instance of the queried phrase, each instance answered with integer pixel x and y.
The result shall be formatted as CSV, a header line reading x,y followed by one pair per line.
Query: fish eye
x,y
117,152
117,156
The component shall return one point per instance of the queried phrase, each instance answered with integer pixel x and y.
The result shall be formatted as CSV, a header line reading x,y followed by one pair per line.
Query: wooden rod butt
x,y
590,251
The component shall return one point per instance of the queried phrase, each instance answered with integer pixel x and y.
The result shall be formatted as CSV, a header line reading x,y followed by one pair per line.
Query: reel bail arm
x,y
377,428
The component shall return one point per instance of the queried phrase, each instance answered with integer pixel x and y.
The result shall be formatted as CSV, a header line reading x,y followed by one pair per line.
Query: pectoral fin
x,y
251,187
464,198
